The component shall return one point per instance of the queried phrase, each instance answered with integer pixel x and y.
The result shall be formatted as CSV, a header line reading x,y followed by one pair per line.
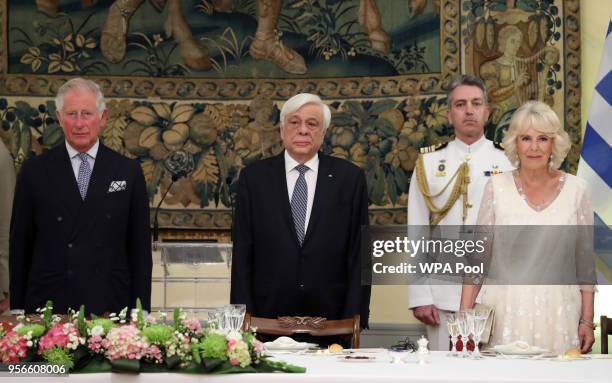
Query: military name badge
x,y
495,170
441,168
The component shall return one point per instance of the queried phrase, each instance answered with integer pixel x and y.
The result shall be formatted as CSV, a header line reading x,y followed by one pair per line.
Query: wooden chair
x,y
606,329
314,326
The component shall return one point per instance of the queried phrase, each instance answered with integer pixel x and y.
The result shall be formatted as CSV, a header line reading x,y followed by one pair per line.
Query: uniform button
x,y
302,287
60,218
70,245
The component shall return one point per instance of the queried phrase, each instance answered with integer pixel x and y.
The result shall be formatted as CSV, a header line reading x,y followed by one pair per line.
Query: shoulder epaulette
x,y
498,145
433,148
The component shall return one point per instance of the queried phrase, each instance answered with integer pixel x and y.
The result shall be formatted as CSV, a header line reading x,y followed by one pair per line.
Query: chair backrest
x,y
314,326
606,329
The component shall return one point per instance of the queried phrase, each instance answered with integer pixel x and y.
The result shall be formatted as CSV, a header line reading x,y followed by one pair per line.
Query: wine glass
x,y
216,319
234,316
465,323
453,330
480,319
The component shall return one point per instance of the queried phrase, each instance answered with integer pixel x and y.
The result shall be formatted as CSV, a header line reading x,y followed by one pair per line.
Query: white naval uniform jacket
x,y
483,159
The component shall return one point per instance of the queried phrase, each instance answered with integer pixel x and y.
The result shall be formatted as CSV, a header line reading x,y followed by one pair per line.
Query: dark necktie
x,y
299,202
84,174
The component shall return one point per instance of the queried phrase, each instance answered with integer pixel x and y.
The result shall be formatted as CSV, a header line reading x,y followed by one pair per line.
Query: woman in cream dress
x,y
553,317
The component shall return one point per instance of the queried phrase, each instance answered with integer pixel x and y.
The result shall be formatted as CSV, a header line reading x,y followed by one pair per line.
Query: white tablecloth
x,y
440,369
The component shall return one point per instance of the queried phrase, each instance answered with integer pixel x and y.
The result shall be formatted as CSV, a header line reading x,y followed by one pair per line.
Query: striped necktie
x,y
299,201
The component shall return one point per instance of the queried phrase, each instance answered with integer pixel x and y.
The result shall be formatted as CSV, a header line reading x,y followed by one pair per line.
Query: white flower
x,y
29,343
233,334
97,330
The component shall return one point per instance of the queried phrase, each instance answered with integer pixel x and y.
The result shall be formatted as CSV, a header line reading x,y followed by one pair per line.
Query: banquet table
x,y
330,368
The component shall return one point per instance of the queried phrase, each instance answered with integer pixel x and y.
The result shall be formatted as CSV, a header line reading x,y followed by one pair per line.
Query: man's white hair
x,y
301,99
80,83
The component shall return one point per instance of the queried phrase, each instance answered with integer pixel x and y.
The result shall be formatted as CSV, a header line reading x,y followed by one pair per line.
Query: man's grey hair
x,y
301,99
83,84
469,80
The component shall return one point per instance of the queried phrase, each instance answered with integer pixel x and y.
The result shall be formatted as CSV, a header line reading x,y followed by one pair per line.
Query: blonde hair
x,y
540,117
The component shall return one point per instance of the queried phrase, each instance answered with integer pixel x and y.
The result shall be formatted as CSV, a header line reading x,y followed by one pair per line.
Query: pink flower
x,y
154,354
193,325
125,342
94,343
63,335
12,348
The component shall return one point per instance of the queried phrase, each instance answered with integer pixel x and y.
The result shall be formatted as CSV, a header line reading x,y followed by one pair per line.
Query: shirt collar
x,y
290,163
92,152
465,148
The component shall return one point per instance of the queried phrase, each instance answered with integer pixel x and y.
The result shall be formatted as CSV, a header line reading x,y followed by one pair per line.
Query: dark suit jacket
x,y
95,252
271,273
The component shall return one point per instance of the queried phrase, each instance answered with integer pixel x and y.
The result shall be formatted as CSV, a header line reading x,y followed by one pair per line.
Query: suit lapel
x,y
60,170
322,191
96,191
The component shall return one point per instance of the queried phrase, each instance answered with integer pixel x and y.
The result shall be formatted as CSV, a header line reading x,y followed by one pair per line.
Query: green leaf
x,y
81,324
383,126
52,135
26,109
391,190
382,105
211,364
26,140
176,316
401,180
356,109
343,119
139,316
126,365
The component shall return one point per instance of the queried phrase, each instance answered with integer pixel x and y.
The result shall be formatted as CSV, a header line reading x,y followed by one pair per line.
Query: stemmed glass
x,y
480,319
465,322
453,330
216,319
234,316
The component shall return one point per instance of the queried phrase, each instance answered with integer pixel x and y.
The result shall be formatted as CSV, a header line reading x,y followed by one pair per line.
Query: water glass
x,y
234,316
216,319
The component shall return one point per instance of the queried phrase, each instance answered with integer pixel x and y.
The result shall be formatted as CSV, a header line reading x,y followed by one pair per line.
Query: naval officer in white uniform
x,y
446,188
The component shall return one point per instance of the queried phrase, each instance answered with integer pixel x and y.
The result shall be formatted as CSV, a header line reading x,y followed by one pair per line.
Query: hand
x,y
586,338
427,314
4,303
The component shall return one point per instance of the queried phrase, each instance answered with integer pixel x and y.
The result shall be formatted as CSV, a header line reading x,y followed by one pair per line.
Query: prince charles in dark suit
x,y
297,225
80,223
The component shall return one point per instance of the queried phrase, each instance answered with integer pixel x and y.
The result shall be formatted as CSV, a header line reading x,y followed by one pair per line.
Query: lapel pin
x,y
330,176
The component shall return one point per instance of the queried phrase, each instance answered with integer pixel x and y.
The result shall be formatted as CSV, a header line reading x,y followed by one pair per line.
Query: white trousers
x,y
438,336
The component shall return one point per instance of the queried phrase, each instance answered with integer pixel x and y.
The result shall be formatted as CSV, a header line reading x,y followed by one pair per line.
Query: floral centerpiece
x,y
135,344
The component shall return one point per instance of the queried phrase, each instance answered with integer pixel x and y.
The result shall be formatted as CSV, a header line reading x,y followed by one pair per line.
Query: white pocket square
x,y
116,186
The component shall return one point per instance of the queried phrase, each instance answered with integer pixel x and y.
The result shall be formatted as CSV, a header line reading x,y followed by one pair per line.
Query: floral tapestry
x,y
195,86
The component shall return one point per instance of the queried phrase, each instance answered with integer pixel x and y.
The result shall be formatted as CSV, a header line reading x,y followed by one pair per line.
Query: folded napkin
x,y
517,347
286,343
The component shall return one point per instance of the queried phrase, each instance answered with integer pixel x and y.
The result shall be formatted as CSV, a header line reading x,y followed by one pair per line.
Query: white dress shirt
x,y
310,176
76,161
